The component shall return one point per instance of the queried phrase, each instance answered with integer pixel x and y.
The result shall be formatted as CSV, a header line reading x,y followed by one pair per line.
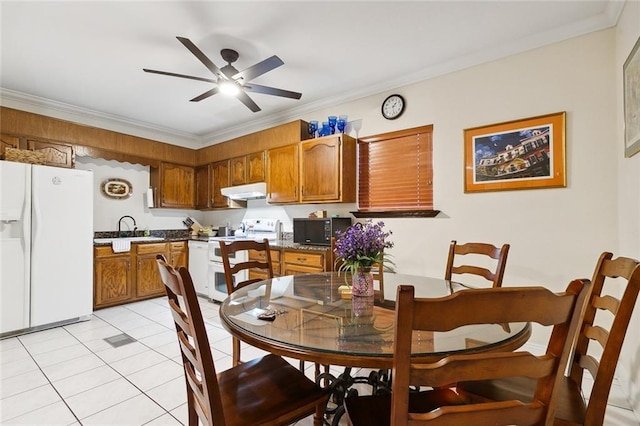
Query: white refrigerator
x,y
46,245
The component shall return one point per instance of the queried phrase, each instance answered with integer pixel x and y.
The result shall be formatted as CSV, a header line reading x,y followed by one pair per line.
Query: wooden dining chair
x,y
264,391
231,268
442,405
456,251
596,352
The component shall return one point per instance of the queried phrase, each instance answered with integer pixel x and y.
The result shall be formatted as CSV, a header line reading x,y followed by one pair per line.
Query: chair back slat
x,y
510,412
485,306
519,304
481,367
457,251
596,333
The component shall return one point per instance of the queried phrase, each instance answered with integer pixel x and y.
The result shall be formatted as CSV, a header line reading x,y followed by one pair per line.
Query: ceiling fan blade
x,y
259,68
256,88
172,74
205,95
245,99
202,57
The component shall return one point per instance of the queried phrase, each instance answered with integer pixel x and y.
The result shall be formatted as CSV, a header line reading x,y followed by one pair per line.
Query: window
x,y
395,174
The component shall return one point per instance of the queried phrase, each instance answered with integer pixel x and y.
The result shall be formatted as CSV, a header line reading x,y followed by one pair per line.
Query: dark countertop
x,y
170,237
281,244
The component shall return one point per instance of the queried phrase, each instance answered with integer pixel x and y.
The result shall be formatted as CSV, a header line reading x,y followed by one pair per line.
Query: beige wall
x,y
627,33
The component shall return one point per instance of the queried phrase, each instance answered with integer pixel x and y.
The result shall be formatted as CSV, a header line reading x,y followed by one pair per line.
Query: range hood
x,y
250,191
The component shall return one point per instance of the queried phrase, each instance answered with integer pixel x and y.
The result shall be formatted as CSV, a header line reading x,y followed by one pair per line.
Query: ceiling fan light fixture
x,y
229,87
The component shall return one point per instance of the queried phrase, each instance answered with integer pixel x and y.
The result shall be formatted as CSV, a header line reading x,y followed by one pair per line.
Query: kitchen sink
x,y
131,239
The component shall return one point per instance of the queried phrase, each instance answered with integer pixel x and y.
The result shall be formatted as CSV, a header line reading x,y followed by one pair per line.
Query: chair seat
x,y
260,392
570,408
375,410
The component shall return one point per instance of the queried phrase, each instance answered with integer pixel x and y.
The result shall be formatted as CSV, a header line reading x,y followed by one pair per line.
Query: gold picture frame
x,y
520,154
631,95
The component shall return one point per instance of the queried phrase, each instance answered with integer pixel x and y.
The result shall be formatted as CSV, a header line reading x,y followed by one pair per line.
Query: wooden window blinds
x,y
396,171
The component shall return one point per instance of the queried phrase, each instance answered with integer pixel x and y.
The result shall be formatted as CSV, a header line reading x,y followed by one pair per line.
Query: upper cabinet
x,y
247,169
255,167
174,186
238,170
282,174
321,170
55,154
204,199
328,170
220,179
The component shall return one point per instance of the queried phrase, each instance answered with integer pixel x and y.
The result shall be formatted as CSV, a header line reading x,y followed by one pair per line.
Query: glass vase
x,y
362,282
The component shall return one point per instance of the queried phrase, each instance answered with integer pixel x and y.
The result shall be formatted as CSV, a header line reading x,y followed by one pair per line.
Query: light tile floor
x,y
70,375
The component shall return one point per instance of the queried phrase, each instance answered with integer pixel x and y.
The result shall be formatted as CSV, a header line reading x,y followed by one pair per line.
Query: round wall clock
x,y
393,107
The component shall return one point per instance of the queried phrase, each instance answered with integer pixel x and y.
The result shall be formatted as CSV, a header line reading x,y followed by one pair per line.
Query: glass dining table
x,y
308,318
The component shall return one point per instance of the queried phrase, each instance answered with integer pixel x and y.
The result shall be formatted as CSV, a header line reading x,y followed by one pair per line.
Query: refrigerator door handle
x,y
35,219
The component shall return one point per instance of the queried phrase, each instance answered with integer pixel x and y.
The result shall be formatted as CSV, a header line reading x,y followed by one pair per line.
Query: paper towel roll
x,y
150,198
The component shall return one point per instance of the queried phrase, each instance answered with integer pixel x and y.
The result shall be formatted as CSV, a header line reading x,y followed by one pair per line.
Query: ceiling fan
x,y
231,81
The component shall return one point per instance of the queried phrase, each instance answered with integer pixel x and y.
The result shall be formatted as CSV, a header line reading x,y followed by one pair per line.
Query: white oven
x,y
252,229
216,279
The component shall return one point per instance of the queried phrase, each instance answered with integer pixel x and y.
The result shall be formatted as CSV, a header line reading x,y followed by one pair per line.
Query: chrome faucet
x,y
122,234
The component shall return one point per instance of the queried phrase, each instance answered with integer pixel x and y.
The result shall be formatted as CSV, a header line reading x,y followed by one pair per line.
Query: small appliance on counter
x,y
318,231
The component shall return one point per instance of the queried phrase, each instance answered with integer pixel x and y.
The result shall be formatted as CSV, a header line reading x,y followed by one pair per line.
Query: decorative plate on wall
x,y
116,188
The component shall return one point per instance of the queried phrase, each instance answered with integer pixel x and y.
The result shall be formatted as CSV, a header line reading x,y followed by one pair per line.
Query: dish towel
x,y
120,246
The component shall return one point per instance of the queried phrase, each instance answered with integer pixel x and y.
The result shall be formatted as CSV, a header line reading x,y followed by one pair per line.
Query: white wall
x,y
107,211
628,208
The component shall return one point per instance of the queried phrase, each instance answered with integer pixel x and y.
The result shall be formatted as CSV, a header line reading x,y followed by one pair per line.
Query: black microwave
x,y
318,232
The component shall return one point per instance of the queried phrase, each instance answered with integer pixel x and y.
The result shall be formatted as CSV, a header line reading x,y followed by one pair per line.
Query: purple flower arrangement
x,y
361,246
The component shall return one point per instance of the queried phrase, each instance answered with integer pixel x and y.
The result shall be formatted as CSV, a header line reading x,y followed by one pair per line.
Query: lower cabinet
x,y
126,277
260,256
113,281
292,261
295,261
148,282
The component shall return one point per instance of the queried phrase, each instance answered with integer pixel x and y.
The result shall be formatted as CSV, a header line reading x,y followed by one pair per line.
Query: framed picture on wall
x,y
631,92
520,154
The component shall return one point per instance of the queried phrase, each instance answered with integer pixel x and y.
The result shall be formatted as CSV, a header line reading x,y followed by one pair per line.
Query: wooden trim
x,y
397,134
30,125
397,213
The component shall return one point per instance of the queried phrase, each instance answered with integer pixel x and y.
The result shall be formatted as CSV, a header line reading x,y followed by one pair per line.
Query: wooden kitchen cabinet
x,y
282,174
178,254
113,278
260,256
247,169
204,183
8,141
174,185
126,277
238,170
255,167
328,170
304,261
148,281
55,154
220,179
